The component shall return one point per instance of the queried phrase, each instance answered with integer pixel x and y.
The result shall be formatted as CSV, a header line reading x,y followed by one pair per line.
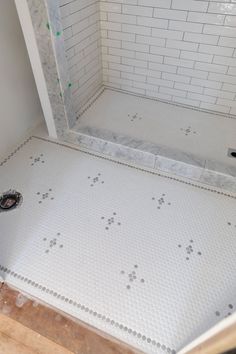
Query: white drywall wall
x,y
20,109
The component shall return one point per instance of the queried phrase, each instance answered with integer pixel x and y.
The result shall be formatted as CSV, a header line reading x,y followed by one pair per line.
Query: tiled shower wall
x,y
177,50
81,27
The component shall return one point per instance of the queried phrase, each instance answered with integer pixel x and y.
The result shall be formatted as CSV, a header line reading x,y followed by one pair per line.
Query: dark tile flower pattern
x,y
37,159
130,278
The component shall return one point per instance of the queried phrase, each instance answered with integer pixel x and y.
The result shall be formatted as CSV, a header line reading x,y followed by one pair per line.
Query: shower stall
x,y
152,81
126,214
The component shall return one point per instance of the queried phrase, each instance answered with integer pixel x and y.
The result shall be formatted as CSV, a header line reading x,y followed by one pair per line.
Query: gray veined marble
x,y
155,156
144,153
219,175
180,163
121,139
49,36
112,149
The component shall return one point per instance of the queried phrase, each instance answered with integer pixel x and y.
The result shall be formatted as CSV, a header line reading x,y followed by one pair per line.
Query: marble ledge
x,y
111,149
219,175
149,155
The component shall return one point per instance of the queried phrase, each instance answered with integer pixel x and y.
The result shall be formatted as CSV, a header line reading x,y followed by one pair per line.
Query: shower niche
x,y
152,83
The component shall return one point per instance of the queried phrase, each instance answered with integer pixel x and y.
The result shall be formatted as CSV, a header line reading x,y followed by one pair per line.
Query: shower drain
x,y
232,153
10,200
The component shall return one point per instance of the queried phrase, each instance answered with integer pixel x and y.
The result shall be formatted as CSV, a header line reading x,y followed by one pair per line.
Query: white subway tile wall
x,y
181,51
81,25
177,50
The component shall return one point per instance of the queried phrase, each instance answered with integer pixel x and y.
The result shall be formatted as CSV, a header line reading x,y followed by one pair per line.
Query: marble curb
x,y
151,155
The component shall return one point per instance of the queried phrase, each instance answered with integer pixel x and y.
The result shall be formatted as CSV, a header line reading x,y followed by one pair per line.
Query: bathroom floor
x,y
170,138
204,135
142,256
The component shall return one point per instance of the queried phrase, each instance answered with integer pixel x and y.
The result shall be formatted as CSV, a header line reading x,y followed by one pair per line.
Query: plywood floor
x,y
27,327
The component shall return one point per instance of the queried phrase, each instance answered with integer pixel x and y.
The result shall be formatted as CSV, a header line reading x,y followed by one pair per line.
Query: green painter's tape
x,y
58,34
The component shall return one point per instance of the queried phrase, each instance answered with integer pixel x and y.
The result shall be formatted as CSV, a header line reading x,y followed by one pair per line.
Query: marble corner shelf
x,y
158,135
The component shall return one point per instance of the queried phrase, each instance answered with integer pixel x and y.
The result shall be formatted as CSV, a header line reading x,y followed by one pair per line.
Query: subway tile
x,y
111,43
137,10
160,42
155,3
165,51
196,56
121,36
176,50
211,67
110,7
219,93
206,83
160,82
193,73
190,5
114,26
224,60
162,33
176,78
186,101
229,87
133,77
181,45
147,72
135,62
163,67
188,87
222,78
121,18
214,107
201,98
149,57
170,14
173,91
214,49
222,8
227,42
230,21
121,52
145,31
232,71
215,19
152,22
200,38
219,30
225,102
121,67
135,46
185,26
179,62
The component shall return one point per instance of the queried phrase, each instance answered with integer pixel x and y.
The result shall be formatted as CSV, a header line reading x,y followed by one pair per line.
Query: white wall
x,y
177,50
80,20
20,108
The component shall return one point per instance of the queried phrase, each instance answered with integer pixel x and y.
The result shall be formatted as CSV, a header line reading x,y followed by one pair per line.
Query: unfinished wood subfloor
x,y
27,327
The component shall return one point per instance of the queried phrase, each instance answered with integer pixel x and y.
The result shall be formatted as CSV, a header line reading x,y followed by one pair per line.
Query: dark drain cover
x,y
232,153
10,200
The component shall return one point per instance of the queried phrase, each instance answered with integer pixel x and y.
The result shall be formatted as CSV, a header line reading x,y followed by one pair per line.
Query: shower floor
x,y
156,134
142,256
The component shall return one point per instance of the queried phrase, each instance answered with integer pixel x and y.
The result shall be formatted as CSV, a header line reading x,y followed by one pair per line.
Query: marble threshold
x,y
154,156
